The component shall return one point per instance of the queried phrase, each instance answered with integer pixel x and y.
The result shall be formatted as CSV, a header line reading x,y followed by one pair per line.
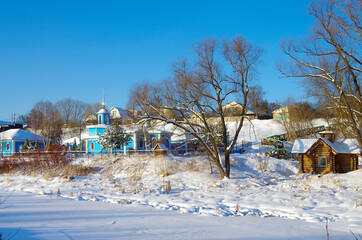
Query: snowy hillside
x,y
128,188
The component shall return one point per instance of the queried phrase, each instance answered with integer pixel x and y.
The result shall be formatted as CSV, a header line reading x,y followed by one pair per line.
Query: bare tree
x,y
22,118
71,110
300,117
199,90
256,99
329,61
79,109
65,108
92,109
46,120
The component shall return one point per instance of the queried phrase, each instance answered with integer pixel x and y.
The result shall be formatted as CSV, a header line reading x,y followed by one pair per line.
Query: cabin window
x,y
322,162
8,147
92,145
141,142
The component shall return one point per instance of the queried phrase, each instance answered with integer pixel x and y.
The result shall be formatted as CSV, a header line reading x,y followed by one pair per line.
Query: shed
x,y
160,149
325,155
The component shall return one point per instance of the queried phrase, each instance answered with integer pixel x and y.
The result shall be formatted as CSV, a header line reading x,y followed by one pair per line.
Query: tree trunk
x,y
211,172
227,164
221,170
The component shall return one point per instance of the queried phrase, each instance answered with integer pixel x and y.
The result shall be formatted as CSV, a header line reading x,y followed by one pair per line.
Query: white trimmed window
x,y
322,162
8,147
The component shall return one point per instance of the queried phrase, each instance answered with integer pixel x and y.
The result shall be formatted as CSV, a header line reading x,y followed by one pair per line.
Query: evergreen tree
x,y
113,137
36,145
26,146
30,146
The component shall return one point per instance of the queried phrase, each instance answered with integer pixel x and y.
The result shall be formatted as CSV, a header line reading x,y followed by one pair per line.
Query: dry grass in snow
x,y
261,186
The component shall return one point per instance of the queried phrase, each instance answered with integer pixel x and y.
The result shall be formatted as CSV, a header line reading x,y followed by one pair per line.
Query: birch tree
x,y
196,91
328,61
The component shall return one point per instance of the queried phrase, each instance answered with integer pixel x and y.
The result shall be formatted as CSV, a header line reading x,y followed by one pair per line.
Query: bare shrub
x,y
48,165
164,166
168,186
237,208
358,203
190,165
263,162
234,163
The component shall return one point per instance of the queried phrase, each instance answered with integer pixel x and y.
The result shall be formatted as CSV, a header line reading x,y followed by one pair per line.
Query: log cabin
x,y
326,155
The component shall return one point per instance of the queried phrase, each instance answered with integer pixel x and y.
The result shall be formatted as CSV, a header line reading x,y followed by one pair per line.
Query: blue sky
x,y
51,50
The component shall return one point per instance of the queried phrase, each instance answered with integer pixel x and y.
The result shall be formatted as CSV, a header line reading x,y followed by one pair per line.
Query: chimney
x,y
328,133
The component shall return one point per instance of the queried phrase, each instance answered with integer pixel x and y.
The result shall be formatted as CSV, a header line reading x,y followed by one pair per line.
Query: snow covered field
x,y
115,202
142,197
30,216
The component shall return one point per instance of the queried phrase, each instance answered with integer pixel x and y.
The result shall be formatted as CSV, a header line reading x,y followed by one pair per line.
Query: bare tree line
x,y
48,119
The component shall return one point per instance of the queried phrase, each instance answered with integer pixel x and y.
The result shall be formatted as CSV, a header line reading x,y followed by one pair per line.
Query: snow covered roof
x,y
281,110
19,134
123,113
326,132
161,146
98,126
71,140
102,111
235,104
344,146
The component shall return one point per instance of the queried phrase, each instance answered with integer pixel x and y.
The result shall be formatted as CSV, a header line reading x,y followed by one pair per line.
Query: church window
x,y
99,119
141,142
8,147
92,145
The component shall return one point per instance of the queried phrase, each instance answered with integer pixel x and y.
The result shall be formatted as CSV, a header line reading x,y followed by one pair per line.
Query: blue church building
x,y
143,139
11,141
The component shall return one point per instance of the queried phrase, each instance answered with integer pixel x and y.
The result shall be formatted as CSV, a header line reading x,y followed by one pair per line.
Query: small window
x,y
99,119
141,142
107,120
8,147
92,145
1,146
322,162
